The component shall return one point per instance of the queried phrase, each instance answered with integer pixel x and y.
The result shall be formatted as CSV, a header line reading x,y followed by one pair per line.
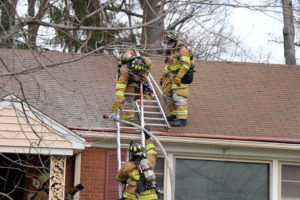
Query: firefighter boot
x,y
179,122
171,118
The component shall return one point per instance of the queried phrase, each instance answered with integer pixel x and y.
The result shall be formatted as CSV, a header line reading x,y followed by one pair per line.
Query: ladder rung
x,y
156,119
149,112
150,101
132,94
151,106
160,125
128,127
137,111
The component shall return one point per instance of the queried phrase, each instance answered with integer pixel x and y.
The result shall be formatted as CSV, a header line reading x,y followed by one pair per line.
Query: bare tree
x,y
288,32
153,32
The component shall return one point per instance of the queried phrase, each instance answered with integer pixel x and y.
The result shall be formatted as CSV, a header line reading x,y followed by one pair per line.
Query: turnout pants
x,y
129,102
177,97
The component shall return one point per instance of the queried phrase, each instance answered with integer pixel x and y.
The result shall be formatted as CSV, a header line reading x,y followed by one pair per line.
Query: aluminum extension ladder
x,y
150,113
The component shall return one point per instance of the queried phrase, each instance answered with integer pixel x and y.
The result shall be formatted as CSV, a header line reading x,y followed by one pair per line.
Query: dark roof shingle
x,y
226,98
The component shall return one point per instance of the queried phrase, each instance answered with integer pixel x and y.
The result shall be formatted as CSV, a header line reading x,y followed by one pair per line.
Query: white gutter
x,y
190,140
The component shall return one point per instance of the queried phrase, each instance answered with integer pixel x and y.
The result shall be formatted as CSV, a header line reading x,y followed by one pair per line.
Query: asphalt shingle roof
x,y
226,98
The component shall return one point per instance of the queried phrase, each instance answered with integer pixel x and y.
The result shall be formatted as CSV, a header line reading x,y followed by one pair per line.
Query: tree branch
x,y
177,22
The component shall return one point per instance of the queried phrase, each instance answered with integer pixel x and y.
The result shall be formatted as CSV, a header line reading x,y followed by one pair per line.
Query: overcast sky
x,y
258,30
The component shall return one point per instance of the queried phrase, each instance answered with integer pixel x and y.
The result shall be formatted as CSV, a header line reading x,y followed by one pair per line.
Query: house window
x,y
159,173
290,182
210,180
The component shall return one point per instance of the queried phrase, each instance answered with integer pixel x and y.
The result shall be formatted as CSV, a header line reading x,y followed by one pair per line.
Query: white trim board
x,y
44,151
78,143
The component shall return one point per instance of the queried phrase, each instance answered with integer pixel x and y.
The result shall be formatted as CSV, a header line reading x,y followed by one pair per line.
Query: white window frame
x,y
270,162
165,177
280,174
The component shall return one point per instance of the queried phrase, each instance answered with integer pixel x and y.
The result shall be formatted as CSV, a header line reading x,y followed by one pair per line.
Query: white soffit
x,y
24,129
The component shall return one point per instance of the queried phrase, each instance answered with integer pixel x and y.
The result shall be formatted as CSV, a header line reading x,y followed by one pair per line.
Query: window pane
x,y
215,180
290,182
159,173
291,172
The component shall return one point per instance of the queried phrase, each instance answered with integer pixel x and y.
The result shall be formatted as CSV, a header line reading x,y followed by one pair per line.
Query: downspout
x,y
77,174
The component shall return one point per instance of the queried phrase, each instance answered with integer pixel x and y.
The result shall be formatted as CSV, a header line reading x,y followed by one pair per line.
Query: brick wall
x,y
92,177
69,173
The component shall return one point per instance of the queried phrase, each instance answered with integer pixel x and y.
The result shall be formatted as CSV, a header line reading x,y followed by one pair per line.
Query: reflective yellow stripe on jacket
x,y
121,86
186,62
120,93
143,197
135,175
150,149
185,58
166,69
129,196
174,67
175,86
180,112
148,197
125,117
149,146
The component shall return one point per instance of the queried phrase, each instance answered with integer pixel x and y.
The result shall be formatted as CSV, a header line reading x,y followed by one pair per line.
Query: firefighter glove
x,y
116,106
177,79
162,78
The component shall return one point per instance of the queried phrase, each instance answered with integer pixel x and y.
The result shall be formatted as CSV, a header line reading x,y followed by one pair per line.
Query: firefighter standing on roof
x,y
133,70
177,65
130,175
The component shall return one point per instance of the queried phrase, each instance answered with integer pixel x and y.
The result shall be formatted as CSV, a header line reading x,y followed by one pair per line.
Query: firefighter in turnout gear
x,y
178,63
132,71
138,186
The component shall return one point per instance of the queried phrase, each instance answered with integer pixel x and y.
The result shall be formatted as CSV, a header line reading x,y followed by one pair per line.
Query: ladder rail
x,y
150,80
118,145
140,110
142,115
156,85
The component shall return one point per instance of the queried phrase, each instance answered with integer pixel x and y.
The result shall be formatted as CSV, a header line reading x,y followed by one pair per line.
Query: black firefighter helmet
x,y
136,150
137,66
171,38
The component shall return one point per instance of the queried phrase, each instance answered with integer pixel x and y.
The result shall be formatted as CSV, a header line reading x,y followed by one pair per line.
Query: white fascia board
x,y
44,151
171,140
77,141
206,147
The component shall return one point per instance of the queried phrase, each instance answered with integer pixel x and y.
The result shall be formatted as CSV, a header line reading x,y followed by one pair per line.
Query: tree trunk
x,y
288,32
34,28
152,34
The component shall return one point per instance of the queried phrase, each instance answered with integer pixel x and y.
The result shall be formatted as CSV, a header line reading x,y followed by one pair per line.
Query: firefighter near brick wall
x,y
132,71
177,64
138,174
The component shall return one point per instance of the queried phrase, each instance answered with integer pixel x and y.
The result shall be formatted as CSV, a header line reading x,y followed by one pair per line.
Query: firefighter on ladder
x,y
177,65
132,71
138,184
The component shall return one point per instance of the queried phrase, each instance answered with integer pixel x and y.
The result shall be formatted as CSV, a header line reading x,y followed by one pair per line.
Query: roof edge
x,y
196,135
